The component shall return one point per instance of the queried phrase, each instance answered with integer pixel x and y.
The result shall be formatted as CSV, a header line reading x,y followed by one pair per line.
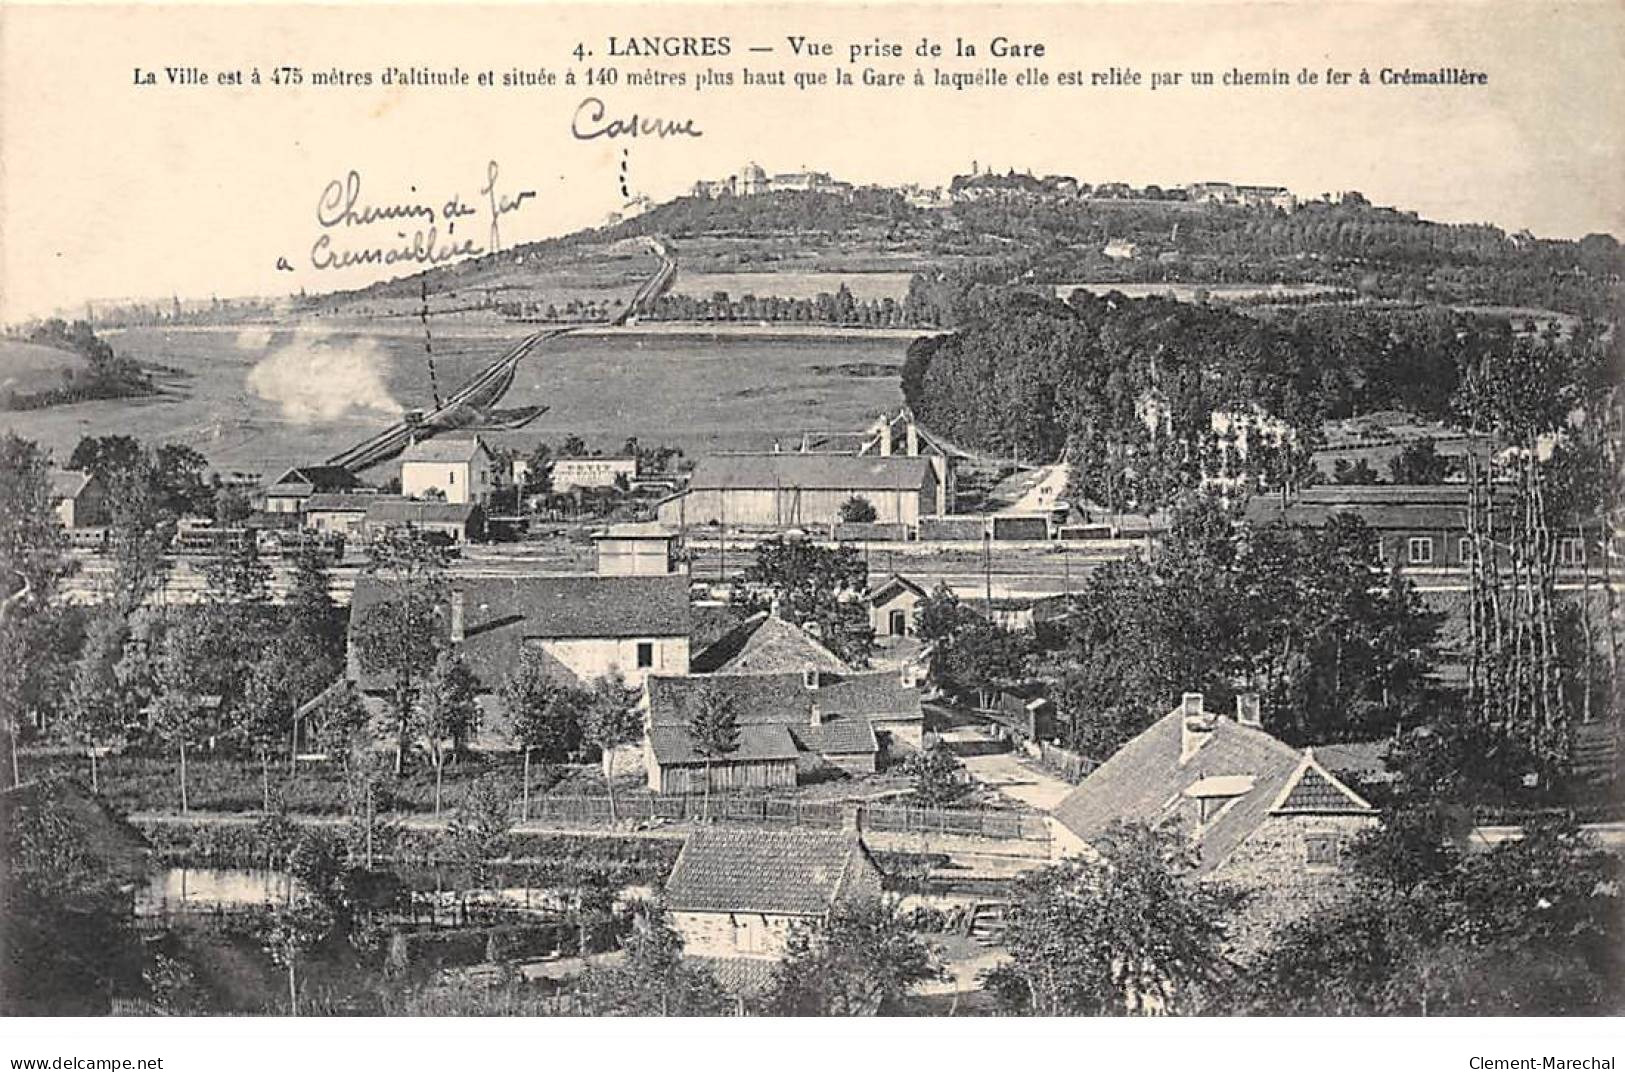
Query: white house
x,y
459,469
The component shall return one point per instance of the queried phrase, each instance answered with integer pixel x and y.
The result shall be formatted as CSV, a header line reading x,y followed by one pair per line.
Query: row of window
x,y
1419,550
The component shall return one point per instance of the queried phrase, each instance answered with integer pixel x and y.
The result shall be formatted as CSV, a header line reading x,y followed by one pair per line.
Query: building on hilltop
x,y
1262,817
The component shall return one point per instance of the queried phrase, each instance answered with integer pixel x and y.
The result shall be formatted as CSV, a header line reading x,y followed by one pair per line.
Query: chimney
x,y
1195,726
905,676
458,627
815,715
1247,711
885,436
852,819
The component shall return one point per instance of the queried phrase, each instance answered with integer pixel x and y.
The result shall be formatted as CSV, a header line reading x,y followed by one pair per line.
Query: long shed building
x,y
792,489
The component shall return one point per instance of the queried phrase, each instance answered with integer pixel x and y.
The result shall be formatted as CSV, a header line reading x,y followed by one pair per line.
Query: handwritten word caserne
x,y
589,122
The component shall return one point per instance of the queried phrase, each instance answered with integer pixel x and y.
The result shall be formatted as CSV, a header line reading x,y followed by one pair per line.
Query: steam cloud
x,y
317,377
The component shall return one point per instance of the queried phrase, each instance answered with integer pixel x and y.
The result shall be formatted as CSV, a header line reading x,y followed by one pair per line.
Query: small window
x,y
1320,850
451,476
1420,550
646,654
1570,551
1464,550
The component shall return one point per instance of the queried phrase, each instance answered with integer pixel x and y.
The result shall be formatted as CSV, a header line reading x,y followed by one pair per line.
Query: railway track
x,y
488,386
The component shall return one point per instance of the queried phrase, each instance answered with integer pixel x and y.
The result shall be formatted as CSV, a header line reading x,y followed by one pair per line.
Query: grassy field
x,y
793,284
325,388
27,369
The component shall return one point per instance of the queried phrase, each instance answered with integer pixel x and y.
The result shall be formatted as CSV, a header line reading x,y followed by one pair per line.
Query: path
x,y
1009,775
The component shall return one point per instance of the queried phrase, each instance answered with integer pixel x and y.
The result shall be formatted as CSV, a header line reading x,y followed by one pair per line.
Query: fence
x,y
790,812
1072,766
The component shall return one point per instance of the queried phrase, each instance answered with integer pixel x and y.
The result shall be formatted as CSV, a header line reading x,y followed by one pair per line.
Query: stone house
x,y
1266,819
735,896
584,625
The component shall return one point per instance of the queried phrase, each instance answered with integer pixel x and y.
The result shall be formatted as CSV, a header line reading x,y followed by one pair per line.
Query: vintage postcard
x,y
785,510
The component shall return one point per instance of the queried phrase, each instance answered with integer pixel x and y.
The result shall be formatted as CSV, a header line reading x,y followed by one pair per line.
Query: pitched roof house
x,y
80,499
1263,816
788,721
737,894
289,492
585,624
765,643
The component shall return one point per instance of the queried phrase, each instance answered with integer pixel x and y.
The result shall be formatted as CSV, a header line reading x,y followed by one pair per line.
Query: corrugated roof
x,y
765,643
502,613
1145,782
841,472
443,450
783,872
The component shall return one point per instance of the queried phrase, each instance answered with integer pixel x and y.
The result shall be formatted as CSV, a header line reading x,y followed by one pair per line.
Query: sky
x,y
112,189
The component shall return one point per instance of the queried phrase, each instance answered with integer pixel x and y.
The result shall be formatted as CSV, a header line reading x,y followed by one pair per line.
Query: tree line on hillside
x,y
1142,394
107,374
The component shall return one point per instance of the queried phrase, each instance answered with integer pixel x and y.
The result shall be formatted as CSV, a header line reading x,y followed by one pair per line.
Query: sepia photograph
x,y
740,511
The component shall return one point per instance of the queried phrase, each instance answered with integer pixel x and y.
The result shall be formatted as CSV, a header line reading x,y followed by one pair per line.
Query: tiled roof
x,y
1313,790
892,586
838,737
502,613
67,483
1380,506
443,450
789,872
765,643
785,698
393,511
840,472
357,502
305,479
1144,781
745,976
757,744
